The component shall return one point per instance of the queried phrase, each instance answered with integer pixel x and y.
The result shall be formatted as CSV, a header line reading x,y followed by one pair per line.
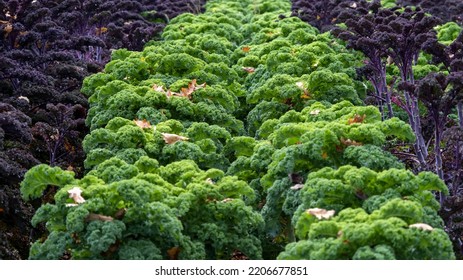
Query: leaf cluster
x,y
204,173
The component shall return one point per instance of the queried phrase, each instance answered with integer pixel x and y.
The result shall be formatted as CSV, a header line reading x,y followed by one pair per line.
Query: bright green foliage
x,y
139,250
421,68
240,146
268,120
177,205
388,4
265,110
303,142
355,234
38,178
320,136
448,32
53,248
124,139
352,187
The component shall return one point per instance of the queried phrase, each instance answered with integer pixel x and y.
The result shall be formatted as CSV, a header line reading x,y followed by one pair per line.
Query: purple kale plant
x,y
324,14
447,10
394,37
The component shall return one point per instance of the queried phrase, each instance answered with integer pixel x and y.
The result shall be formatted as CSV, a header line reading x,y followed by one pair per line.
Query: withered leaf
x,y
101,30
357,119
158,88
390,60
227,200
120,213
315,112
75,194
324,155
209,200
249,69
320,213
76,238
422,226
306,94
192,86
172,138
300,85
297,187
238,255
70,148
98,217
173,253
24,98
142,123
8,28
349,142
184,92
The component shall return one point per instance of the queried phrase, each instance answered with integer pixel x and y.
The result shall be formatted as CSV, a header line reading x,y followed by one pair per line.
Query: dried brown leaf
x,y
320,213
297,187
142,123
238,255
75,194
390,60
24,98
172,138
246,49
98,217
349,142
8,28
158,88
306,94
422,226
173,253
120,213
357,119
249,69
188,91
99,31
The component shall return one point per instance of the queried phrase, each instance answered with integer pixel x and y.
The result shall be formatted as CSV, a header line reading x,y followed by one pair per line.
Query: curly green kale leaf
x,y
39,177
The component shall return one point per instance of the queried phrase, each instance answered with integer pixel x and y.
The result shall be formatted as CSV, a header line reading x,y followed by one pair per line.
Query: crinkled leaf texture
x,y
38,178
